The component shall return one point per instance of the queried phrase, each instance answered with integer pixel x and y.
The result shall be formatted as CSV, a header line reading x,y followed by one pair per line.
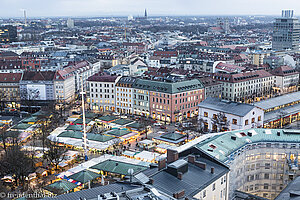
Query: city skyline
x,y
79,8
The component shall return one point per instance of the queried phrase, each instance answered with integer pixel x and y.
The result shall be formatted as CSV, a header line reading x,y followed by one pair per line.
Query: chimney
x,y
278,133
191,159
151,181
233,137
179,195
201,165
212,170
249,134
162,163
179,175
172,155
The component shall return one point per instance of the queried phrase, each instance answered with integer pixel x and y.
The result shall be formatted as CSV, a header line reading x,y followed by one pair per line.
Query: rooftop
x,y
239,109
222,146
278,101
118,167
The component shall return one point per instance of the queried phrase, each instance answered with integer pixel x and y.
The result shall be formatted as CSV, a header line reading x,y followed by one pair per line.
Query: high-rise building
x,y
286,32
8,34
70,23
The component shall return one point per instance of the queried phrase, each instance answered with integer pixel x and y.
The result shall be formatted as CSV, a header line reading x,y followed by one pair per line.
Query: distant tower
x,y
146,14
70,23
286,32
226,26
25,18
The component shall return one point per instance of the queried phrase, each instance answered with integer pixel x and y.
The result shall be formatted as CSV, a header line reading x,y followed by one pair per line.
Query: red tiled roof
x,y
241,77
102,78
284,71
38,76
10,77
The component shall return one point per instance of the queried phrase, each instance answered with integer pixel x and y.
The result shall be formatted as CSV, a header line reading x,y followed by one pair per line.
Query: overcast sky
x,y
36,8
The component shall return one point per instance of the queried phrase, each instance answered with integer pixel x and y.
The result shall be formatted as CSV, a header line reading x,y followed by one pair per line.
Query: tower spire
x,y
146,13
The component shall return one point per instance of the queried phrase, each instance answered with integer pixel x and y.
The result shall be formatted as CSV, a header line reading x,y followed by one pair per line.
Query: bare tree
x,y
220,122
55,153
16,163
3,97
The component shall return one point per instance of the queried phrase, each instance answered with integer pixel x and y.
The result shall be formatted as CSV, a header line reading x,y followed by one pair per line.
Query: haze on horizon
x,y
89,8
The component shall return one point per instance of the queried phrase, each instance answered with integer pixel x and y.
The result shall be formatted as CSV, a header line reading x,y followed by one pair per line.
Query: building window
x,y
259,118
204,193
213,187
253,120
205,114
246,122
234,121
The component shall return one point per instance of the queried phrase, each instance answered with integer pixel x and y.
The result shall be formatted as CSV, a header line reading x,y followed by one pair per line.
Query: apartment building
x,y
9,89
64,85
102,92
286,79
246,87
124,95
141,97
38,86
171,101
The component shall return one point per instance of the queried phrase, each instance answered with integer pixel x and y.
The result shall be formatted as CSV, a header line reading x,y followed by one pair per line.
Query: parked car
x,y
157,124
124,117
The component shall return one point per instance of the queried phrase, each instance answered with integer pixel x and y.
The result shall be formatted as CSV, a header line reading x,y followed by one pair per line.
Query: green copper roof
x,y
60,187
107,118
71,134
168,87
122,121
221,146
135,125
173,136
30,119
21,126
118,167
90,115
90,136
84,176
118,132
80,121
75,127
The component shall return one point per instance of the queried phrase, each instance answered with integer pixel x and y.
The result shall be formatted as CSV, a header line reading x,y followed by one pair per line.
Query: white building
x,y
70,23
64,85
247,86
286,79
124,95
102,92
234,115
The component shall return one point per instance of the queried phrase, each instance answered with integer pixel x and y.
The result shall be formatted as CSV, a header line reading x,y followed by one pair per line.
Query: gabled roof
x,y
118,167
168,87
60,187
84,176
284,71
216,104
38,76
10,77
103,78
